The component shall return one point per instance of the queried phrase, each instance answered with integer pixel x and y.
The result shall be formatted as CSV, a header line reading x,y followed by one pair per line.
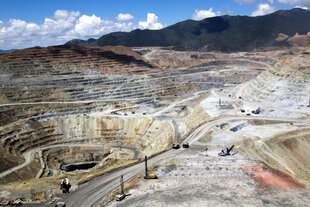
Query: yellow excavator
x,y
147,175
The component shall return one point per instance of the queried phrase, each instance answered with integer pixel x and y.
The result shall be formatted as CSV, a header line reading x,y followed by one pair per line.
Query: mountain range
x,y
221,33
2,51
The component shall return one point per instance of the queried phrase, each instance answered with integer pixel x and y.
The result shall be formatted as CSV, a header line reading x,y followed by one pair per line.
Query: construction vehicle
x,y
175,146
185,145
223,153
122,195
65,185
115,113
147,175
257,111
60,204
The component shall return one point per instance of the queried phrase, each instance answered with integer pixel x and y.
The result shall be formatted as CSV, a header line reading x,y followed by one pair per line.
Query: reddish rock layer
x,y
266,176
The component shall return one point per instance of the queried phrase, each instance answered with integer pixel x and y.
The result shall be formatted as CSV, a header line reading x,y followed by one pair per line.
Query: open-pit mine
x,y
93,114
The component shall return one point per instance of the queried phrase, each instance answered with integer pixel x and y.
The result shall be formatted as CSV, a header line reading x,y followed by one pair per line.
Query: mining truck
x,y
185,145
175,146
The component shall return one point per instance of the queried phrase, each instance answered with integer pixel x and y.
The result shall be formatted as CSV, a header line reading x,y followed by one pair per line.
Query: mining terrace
x,y
92,114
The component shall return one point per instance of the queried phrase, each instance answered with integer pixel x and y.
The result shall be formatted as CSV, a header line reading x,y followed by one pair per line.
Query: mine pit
x,y
105,111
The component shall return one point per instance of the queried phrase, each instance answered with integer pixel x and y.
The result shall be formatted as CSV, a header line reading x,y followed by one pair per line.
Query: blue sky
x,y
27,23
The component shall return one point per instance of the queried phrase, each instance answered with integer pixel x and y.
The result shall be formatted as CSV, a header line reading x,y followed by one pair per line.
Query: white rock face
x,y
146,135
282,86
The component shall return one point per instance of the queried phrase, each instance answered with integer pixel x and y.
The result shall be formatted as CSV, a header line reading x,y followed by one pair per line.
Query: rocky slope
x,y
68,59
300,40
285,85
137,136
287,152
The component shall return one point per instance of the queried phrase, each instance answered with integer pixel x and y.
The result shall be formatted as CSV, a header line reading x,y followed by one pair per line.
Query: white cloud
x,y
245,1
151,22
302,7
124,17
62,27
93,26
289,1
252,1
263,9
202,14
302,3
88,25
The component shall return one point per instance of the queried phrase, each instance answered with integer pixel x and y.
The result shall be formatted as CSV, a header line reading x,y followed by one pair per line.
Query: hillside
x,y
74,57
223,33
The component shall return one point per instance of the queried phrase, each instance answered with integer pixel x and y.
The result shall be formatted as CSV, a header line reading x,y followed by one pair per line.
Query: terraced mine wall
x,y
146,135
95,134
285,85
68,59
95,104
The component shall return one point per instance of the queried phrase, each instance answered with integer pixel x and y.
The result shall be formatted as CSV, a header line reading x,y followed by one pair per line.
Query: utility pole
x,y
220,103
122,185
145,161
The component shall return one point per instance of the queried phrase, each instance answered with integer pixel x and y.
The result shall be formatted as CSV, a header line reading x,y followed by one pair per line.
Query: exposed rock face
x,y
141,136
288,152
168,59
285,85
300,40
146,135
282,37
195,118
59,60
